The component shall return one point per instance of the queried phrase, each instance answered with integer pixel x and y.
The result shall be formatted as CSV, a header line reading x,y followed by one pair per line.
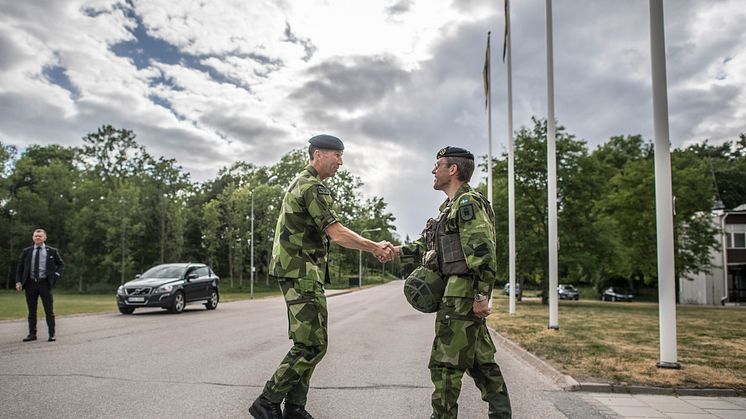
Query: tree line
x,y
114,210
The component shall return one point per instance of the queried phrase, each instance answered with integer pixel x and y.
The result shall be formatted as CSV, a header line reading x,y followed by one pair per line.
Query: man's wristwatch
x,y
479,297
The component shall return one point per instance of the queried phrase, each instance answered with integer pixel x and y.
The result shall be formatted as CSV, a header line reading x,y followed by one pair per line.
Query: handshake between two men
x,y
386,251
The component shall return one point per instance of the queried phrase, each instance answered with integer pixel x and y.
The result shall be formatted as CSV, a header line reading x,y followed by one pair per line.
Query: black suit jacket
x,y
54,265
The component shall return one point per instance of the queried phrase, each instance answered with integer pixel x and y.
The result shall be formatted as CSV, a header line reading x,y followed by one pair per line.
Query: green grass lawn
x,y
13,304
618,342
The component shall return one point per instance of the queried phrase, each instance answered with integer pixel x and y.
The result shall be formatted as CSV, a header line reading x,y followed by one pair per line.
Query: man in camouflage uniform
x,y
460,245
299,263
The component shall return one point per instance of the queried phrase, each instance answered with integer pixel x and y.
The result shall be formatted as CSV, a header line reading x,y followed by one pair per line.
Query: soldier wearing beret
x,y
460,245
305,226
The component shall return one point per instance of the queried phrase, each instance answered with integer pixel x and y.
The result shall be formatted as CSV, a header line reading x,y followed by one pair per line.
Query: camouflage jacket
x,y
471,216
300,246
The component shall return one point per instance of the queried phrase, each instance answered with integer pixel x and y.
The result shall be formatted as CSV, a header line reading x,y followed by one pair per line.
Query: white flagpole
x,y
551,177
511,166
663,192
489,124
489,136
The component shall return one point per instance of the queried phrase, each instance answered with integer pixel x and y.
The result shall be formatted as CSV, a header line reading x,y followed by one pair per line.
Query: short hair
x,y
311,149
465,167
42,230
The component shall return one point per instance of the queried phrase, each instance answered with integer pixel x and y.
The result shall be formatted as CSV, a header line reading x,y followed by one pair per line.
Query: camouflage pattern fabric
x,y
300,246
462,342
472,217
423,289
299,261
307,327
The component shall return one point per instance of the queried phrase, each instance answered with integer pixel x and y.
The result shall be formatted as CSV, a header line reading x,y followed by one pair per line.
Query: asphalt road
x,y
212,364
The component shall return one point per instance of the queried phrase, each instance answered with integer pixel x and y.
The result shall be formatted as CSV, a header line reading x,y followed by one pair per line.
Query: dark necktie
x,y
36,263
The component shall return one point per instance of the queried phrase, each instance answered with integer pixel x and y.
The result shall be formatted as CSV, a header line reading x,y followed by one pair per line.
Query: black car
x,y
171,286
568,292
616,294
506,289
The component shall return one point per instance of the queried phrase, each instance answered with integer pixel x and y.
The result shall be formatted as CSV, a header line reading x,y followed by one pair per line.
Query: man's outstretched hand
x,y
385,251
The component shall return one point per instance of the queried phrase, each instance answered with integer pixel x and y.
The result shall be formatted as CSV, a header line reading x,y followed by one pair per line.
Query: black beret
x,y
326,142
455,152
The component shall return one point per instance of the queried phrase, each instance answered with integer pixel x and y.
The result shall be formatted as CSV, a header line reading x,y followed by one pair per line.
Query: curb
x,y
568,383
672,391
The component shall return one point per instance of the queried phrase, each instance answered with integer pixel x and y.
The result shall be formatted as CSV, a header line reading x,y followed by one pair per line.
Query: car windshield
x,y
164,272
568,287
619,290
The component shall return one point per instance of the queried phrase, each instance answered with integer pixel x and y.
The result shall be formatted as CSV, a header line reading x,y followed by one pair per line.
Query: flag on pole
x,y
505,35
486,71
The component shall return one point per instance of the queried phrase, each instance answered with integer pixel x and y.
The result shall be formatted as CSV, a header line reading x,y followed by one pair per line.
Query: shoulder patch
x,y
322,190
466,212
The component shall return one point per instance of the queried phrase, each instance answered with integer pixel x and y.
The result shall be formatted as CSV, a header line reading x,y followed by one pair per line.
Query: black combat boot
x,y
265,409
294,411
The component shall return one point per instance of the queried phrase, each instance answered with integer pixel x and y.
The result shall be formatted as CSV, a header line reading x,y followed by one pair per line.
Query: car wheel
x,y
126,310
178,303
212,303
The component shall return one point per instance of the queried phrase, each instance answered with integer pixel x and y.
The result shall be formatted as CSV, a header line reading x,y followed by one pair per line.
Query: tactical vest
x,y
444,253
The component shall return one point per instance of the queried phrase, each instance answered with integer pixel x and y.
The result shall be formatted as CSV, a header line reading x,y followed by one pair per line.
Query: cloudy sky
x,y
212,82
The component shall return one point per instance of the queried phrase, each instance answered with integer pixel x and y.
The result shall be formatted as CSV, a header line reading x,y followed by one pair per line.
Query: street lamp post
x,y
270,180
252,245
360,259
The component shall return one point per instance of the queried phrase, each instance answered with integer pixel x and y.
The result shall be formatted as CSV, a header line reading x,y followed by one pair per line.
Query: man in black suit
x,y
38,271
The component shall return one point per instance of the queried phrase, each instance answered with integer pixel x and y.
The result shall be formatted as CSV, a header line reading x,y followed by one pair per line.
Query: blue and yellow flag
x,y
486,71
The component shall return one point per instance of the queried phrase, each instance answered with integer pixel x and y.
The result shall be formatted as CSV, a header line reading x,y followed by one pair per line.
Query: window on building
x,y
735,235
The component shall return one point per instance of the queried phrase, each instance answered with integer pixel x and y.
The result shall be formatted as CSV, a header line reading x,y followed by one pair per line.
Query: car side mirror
x,y
137,276
192,276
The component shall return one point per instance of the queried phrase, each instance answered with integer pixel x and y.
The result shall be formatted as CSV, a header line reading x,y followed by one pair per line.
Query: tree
x,y
578,182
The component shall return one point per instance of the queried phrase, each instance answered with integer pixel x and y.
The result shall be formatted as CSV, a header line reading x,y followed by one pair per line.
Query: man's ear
x,y
452,170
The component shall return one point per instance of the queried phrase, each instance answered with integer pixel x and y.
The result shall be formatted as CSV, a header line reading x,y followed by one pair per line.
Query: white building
x,y
725,283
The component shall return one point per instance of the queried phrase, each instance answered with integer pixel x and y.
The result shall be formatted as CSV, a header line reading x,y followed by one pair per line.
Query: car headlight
x,y
165,288
120,290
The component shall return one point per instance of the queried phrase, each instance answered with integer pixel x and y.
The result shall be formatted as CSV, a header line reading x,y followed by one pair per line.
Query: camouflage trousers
x,y
463,344
307,327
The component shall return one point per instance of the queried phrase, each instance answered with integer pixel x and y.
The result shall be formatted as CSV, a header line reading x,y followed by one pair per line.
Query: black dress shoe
x,y
294,411
265,409
29,338
51,339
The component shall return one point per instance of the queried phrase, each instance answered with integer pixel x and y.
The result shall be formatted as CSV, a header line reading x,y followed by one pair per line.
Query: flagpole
x,y
663,193
489,122
511,166
489,136
551,177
